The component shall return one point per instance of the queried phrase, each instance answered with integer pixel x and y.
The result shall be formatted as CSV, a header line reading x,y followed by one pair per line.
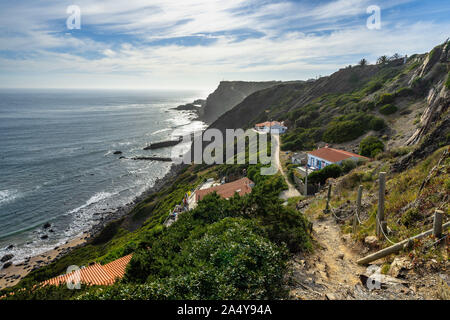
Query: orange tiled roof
x,y
95,274
269,124
227,190
334,155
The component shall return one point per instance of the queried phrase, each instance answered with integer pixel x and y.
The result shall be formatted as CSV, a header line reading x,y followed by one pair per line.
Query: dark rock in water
x,y
6,257
153,159
51,230
163,144
7,265
118,152
47,225
122,157
44,237
11,246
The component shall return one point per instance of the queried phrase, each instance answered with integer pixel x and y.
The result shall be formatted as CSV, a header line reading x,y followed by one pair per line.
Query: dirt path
x,y
292,191
331,272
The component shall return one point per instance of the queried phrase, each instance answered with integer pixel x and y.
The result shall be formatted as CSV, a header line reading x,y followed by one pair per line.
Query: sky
x,y
195,44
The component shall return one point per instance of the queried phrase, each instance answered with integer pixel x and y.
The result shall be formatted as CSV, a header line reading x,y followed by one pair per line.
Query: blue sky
x,y
194,44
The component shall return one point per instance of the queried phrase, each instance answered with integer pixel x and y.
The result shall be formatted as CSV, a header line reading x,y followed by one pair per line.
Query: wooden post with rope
x,y
380,213
358,208
327,209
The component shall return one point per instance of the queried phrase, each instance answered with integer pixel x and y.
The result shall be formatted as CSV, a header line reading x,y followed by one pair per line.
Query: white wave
x,y
94,199
162,130
8,195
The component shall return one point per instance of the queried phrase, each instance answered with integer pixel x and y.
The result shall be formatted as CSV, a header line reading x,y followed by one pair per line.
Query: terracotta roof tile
x,y
95,274
334,155
227,190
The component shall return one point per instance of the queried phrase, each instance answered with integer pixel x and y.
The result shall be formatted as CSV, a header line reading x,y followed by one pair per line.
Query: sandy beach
x,y
12,275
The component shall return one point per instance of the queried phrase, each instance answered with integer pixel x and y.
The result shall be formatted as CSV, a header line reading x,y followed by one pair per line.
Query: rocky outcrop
x,y
438,99
6,257
163,144
229,94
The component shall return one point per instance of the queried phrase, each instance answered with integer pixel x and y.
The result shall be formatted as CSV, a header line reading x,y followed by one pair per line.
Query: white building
x,y
271,126
320,158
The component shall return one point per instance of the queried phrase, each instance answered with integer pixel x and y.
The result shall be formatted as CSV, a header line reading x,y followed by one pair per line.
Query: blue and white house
x,y
320,158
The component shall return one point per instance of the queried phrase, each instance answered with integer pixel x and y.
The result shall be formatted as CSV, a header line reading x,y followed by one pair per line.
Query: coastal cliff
x,y
227,95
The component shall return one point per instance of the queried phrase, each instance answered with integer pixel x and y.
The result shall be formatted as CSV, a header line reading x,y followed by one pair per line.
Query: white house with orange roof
x,y
320,158
271,126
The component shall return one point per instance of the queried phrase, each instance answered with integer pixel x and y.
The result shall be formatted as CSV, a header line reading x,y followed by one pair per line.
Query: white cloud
x,y
282,51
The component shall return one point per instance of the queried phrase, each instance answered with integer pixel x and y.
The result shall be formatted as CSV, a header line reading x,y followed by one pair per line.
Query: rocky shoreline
x,y
13,273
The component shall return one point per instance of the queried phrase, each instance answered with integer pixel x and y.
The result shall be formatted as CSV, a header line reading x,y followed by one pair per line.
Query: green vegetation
x,y
404,92
223,249
386,98
349,127
388,109
371,146
321,176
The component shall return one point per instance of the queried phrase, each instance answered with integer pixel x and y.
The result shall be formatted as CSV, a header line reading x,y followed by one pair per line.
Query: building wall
x,y
313,161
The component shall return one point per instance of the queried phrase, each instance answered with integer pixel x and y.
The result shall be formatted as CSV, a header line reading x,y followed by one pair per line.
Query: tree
x,y
382,60
395,56
363,62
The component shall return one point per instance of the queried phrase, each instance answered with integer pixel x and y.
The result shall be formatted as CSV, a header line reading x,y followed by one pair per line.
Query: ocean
x,y
57,161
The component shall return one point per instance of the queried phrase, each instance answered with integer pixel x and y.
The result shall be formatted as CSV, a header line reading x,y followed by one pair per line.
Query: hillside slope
x,y
399,102
227,95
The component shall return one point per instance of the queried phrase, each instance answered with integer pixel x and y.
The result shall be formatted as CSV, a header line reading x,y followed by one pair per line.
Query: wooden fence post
x,y
437,225
380,213
327,209
306,180
358,208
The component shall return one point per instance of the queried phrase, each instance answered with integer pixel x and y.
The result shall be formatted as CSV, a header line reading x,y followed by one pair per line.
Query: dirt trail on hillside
x,y
331,271
292,191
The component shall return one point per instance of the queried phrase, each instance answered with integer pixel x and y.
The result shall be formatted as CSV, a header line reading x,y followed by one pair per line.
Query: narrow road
x,y
292,191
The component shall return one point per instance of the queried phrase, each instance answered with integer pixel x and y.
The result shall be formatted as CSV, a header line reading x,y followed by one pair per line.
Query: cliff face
x,y
227,95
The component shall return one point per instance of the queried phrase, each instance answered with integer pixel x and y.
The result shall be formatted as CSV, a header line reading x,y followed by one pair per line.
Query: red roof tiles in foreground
x,y
334,155
95,274
227,190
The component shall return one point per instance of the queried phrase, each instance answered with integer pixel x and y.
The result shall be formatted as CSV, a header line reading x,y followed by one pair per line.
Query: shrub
x,y
377,124
348,165
410,216
231,260
386,98
404,92
343,131
371,146
388,109
321,176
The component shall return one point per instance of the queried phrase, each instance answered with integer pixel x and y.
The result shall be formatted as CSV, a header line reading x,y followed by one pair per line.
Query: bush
x,y
371,146
386,98
388,109
338,132
377,124
321,176
348,165
231,260
404,92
